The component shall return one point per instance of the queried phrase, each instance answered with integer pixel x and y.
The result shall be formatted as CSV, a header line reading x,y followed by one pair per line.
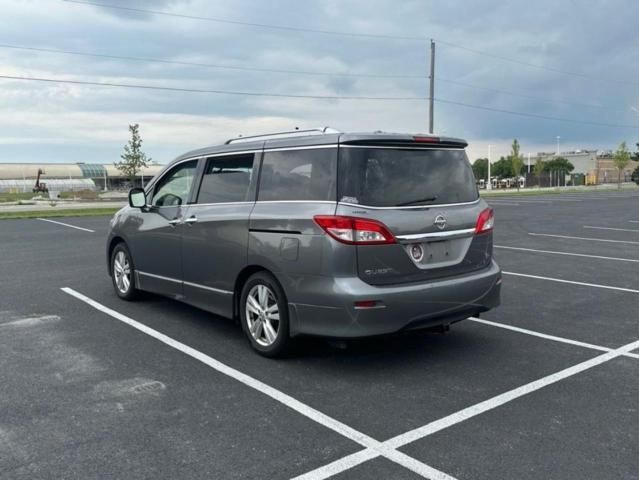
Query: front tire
x,y
264,315
123,273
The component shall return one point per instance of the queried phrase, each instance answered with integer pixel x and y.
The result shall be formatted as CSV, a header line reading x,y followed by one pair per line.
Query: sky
x,y
596,42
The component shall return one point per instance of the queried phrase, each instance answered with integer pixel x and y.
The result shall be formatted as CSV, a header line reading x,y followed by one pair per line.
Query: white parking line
x,y
565,253
561,280
502,203
470,412
548,337
66,225
633,221
374,447
610,228
590,239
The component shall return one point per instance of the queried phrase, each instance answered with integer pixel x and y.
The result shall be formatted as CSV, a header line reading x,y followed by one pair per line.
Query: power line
x,y
530,97
353,34
300,72
534,115
196,90
315,97
206,65
535,65
249,24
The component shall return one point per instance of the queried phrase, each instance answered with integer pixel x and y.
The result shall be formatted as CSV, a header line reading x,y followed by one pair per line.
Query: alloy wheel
x,y
262,315
122,272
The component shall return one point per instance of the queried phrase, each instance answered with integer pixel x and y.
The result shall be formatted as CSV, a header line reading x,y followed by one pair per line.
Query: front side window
x,y
299,175
226,179
173,188
381,177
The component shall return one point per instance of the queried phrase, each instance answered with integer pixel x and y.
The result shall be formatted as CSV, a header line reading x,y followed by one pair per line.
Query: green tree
x,y
480,168
133,158
635,176
516,161
558,165
621,159
501,168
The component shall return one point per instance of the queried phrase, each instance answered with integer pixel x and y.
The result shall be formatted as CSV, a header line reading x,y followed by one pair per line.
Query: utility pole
x,y
489,185
431,99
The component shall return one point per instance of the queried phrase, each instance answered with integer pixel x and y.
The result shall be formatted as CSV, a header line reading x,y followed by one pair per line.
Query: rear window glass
x,y
226,179
299,175
381,177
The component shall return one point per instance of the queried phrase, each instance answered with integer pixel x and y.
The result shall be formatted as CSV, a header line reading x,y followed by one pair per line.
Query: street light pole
x,y
489,185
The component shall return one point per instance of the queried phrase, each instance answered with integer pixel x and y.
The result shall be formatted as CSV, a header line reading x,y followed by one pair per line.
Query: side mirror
x,y
137,198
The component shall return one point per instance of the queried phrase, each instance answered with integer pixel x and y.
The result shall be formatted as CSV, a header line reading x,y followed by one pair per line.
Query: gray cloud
x,y
596,41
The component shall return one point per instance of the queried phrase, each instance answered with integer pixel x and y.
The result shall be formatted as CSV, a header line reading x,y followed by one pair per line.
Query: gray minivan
x,y
313,232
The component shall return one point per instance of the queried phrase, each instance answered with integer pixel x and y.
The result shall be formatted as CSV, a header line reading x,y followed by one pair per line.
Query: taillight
x,y
485,222
354,230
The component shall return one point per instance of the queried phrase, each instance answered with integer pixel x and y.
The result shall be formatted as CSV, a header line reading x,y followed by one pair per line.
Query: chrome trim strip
x,y
307,147
329,202
218,204
438,235
411,207
159,277
417,147
210,289
190,284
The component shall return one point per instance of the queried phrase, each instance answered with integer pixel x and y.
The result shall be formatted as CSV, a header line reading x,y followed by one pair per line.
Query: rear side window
x,y
381,177
299,175
226,179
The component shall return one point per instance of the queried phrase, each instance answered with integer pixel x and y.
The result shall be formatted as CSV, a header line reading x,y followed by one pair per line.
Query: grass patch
x,y
67,212
14,197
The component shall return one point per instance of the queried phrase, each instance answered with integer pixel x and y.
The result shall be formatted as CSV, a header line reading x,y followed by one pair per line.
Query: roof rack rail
x,y
292,133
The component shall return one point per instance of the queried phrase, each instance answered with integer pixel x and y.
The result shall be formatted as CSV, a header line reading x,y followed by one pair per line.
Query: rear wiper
x,y
419,200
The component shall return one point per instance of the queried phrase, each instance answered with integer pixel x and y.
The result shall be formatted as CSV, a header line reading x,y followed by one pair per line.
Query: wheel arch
x,y
242,278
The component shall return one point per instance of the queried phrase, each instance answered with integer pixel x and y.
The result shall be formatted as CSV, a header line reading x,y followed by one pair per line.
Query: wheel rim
x,y
122,272
262,315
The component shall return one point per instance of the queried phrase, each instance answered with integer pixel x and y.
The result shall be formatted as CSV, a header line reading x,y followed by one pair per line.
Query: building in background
x,y
20,177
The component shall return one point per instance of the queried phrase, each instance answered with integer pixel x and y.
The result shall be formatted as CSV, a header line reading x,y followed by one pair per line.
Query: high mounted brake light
x,y
485,221
354,230
423,139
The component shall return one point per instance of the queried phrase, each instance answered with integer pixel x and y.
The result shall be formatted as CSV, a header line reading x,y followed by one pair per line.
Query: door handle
x,y
192,219
174,222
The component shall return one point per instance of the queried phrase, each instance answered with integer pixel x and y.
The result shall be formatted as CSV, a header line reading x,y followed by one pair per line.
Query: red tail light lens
x,y
424,139
485,222
354,230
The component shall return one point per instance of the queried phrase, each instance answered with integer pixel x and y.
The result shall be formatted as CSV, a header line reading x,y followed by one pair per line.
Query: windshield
x,y
383,177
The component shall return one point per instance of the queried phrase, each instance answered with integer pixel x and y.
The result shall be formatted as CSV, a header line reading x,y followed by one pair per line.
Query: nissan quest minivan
x,y
313,232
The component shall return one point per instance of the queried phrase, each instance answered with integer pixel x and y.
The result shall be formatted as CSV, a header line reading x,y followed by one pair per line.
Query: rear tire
x,y
123,273
264,315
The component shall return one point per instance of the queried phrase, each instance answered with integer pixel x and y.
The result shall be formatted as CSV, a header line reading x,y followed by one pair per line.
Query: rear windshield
x,y
386,177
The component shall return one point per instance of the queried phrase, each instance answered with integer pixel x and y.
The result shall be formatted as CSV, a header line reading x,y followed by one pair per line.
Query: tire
x,y
123,273
264,315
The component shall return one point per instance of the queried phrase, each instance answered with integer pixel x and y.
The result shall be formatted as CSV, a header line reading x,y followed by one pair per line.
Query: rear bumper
x,y
325,306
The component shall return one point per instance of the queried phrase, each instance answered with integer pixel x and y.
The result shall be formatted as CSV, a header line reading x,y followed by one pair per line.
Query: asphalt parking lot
x,y
545,386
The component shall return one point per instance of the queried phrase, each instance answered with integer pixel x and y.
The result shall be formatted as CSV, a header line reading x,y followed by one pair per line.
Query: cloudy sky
x,y
596,41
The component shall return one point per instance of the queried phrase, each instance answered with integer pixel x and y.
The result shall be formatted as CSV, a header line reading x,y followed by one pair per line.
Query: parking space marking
x,y
610,228
490,202
375,447
479,408
633,221
572,282
565,253
545,336
66,225
590,239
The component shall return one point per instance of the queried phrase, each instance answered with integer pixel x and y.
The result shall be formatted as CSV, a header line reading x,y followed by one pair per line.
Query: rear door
x,y
428,199
215,231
